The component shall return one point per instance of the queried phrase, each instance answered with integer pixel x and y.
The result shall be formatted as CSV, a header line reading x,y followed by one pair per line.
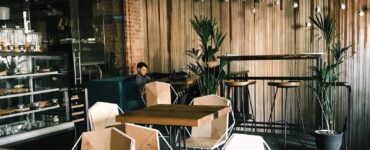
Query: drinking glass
x,y
19,39
34,39
8,38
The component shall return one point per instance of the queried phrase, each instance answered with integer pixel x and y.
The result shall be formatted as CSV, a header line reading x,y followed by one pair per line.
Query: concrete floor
x,y
276,141
293,142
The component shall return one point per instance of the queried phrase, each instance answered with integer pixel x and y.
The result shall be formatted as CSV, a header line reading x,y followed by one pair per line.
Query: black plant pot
x,y
328,142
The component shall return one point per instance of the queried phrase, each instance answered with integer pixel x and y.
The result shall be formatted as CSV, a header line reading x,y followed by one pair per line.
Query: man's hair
x,y
141,65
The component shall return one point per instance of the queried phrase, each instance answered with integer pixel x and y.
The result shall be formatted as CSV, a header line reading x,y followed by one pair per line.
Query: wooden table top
x,y
175,115
272,57
188,82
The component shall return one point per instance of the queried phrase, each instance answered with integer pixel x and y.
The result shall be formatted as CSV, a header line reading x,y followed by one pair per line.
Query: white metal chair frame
x,y
89,115
90,121
228,132
78,140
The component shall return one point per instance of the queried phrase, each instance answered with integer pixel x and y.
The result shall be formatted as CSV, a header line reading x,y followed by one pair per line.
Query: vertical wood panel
x,y
271,30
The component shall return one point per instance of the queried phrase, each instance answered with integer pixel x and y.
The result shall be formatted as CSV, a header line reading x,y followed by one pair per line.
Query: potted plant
x,y
3,69
205,63
11,66
327,76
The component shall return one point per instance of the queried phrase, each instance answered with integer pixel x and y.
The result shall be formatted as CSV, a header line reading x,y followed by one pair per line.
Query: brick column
x,y
133,34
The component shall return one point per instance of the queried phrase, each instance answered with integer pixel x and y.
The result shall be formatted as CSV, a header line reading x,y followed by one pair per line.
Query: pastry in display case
x,y
34,96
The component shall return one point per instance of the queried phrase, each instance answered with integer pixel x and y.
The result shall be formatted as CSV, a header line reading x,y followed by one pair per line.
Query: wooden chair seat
x,y
204,142
233,83
291,84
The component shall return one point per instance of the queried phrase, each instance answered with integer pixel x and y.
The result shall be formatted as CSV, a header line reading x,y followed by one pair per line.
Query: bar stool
x,y
285,86
245,100
273,92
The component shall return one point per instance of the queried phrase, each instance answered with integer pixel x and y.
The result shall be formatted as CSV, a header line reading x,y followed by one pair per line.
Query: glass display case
x,y
33,94
92,30
36,37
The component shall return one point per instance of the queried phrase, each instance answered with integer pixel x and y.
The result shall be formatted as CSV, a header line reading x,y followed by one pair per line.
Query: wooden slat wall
x,y
271,30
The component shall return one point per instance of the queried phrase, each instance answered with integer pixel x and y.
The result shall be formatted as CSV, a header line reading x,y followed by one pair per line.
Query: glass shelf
x,y
29,93
10,53
29,75
29,112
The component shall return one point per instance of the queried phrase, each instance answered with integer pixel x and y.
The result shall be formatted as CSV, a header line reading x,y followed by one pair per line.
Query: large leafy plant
x,y
11,65
328,74
2,66
205,63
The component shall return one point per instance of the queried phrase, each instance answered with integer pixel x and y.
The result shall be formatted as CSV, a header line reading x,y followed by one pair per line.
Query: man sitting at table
x,y
142,78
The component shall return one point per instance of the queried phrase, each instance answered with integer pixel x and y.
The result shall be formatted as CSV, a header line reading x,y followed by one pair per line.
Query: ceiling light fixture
x,y
343,6
295,5
308,24
253,10
361,13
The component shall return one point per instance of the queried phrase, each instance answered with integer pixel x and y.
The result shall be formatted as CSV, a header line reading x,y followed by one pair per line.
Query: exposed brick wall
x,y
133,34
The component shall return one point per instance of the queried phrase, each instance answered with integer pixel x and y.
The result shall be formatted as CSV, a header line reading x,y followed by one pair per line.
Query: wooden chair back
x,y
107,139
145,138
102,114
157,93
218,127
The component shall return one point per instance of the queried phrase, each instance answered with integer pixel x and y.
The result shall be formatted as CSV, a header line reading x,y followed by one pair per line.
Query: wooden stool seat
x,y
233,83
291,84
241,101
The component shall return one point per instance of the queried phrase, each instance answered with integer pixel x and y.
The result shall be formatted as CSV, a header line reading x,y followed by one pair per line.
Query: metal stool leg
x,y
228,95
243,110
250,104
235,102
301,116
255,107
272,109
240,98
285,116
